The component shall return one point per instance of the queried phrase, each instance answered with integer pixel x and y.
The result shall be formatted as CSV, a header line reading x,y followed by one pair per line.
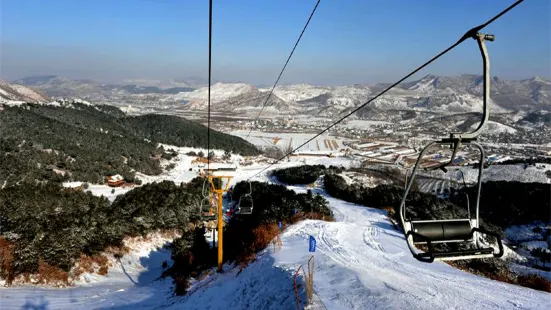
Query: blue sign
x,y
280,225
312,247
296,211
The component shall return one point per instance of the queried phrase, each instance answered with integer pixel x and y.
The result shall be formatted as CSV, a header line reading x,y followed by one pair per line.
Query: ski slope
x,y
361,262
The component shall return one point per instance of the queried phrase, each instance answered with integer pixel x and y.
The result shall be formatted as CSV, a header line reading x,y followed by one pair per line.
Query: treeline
x,y
502,204
420,206
48,226
245,235
506,203
55,225
88,143
306,174
181,132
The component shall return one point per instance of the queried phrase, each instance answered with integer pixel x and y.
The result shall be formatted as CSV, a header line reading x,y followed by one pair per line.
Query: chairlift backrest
x,y
246,204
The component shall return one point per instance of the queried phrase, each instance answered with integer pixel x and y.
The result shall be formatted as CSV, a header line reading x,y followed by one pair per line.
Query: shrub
x,y
6,260
245,235
303,174
48,274
58,226
89,264
536,282
191,253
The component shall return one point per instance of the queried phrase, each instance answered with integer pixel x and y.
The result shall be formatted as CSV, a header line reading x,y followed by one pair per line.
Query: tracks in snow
x,y
370,236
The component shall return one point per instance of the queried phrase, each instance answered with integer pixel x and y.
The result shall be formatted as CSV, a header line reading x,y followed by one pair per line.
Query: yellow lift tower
x,y
219,188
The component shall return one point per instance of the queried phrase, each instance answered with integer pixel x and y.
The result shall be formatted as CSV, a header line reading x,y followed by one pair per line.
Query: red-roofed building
x,y
115,180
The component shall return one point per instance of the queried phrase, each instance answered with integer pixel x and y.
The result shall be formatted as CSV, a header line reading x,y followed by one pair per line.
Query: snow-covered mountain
x,y
446,94
431,93
134,91
10,92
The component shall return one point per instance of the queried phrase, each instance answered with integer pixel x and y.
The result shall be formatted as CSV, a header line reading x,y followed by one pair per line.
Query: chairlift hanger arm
x,y
480,39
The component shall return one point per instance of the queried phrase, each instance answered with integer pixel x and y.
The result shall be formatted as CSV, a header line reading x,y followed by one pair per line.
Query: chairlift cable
x,y
284,66
210,75
467,35
282,70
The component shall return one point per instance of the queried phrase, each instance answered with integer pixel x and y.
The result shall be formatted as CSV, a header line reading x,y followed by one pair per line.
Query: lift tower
x,y
218,188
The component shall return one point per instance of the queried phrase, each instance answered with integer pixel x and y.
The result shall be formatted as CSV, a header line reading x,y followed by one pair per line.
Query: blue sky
x,y
348,41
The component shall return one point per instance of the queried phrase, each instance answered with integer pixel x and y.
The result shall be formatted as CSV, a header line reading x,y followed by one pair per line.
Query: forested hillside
x,y
48,224
87,142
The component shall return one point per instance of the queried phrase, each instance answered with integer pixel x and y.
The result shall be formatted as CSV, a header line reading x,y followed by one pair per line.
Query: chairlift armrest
x,y
493,234
427,257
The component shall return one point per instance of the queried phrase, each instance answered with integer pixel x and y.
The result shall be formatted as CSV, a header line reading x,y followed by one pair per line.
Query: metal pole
x,y
220,191
213,238
220,218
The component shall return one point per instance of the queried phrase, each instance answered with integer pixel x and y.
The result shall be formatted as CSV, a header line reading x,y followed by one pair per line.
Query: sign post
x,y
312,244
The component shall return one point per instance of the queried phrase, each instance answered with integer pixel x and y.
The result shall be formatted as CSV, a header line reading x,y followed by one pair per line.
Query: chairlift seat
x,y
442,230
245,204
245,210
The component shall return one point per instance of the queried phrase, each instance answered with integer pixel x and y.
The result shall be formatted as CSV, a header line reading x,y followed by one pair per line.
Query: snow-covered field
x,y
362,124
492,173
282,140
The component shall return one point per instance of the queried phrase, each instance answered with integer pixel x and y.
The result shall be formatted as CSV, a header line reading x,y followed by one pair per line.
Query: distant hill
x,y
461,94
15,92
78,141
131,91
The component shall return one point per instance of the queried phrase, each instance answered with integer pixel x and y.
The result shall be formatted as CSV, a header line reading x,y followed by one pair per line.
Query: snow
x,y
534,244
498,173
3,92
522,233
497,128
130,280
219,92
298,92
362,124
361,262
12,102
263,139
27,92
101,189
525,270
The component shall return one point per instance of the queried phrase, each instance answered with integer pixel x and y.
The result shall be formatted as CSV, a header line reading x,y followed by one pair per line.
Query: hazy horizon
x,y
152,82
347,42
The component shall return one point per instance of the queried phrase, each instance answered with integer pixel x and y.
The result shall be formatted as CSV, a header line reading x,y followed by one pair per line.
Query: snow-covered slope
x,y
10,93
219,92
299,92
361,262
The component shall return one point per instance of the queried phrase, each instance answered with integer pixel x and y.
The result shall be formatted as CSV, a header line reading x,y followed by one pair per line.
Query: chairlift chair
x,y
206,211
467,230
245,204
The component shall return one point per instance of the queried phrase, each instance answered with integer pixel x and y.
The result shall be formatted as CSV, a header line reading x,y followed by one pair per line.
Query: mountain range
x,y
461,93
